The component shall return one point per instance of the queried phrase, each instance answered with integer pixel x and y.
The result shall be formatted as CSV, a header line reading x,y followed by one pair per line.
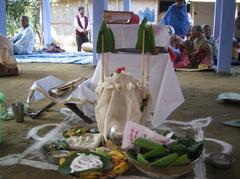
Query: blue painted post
x,y
46,22
127,5
3,19
226,36
98,8
217,19
106,5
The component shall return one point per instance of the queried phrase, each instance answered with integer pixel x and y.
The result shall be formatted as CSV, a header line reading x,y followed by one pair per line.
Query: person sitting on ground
x,y
8,65
23,42
208,35
235,52
197,52
175,48
177,17
237,27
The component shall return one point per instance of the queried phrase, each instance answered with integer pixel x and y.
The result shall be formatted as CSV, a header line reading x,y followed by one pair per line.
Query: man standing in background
x,y
81,23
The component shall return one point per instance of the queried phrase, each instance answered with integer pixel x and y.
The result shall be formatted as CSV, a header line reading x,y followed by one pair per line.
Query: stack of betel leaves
x,y
178,152
99,163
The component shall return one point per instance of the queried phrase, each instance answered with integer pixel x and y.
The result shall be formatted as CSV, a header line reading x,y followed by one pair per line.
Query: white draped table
x,y
163,84
125,35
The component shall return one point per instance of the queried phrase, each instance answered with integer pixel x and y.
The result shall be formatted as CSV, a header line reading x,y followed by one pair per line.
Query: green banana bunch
x,y
149,37
108,38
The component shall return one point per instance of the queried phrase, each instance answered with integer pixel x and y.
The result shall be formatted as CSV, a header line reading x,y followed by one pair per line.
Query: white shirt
x,y
24,41
82,20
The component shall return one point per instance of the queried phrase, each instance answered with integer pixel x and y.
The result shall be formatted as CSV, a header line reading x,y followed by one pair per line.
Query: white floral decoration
x,y
117,86
126,73
139,85
130,86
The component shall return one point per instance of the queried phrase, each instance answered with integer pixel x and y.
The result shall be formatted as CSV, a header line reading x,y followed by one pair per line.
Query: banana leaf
x,y
150,39
108,39
149,45
140,34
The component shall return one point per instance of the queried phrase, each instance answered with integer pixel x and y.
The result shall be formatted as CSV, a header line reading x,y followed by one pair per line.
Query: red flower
x,y
120,69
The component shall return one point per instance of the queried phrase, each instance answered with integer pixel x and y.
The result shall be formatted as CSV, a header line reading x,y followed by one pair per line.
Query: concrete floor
x,y
200,91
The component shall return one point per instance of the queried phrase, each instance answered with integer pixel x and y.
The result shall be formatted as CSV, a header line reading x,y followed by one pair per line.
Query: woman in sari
x,y
196,51
177,17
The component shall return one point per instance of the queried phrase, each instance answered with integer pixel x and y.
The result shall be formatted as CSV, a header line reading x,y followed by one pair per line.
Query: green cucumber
x,y
156,152
165,161
178,148
146,144
183,160
141,159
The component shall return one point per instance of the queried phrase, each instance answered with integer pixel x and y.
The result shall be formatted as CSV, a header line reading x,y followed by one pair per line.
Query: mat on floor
x,y
64,57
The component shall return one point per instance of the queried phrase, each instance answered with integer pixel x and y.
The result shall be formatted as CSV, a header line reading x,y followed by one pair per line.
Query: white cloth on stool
x,y
83,94
119,99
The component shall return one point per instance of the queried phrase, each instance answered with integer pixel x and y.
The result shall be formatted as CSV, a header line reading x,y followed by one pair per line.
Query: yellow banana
x,y
61,161
121,168
91,175
117,154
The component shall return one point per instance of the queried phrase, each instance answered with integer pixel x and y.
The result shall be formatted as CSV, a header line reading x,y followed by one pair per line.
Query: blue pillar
x,y
127,5
98,8
226,36
3,20
217,18
106,5
46,22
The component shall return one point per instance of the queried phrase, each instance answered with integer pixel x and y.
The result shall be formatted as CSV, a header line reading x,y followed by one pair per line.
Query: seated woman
x,y
8,65
208,35
23,42
196,51
175,48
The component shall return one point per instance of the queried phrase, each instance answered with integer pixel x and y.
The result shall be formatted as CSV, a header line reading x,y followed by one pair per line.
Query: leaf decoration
x,y
149,37
140,34
108,39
